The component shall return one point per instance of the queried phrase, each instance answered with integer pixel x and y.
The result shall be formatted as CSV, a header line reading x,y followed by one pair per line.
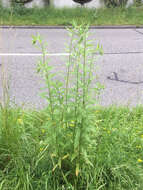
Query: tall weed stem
x,y
71,103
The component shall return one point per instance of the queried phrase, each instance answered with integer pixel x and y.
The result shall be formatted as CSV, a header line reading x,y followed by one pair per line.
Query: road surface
x,y
120,68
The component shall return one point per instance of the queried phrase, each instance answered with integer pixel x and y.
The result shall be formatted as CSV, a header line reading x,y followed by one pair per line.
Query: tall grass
x,y
118,159
52,16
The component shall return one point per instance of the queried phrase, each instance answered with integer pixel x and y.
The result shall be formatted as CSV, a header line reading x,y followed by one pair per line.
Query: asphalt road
x,y
120,68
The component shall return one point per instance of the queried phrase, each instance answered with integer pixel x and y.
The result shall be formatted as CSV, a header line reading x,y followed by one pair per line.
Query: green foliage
x,y
69,105
19,15
115,3
118,159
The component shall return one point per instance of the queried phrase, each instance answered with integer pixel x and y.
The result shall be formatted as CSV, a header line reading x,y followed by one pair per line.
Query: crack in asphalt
x,y
116,78
138,31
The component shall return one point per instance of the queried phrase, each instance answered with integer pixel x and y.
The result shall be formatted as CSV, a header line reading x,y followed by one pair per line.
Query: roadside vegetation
x,y
71,144
28,156
19,15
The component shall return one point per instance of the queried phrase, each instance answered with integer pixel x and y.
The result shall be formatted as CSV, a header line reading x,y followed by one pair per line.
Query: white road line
x,y
33,54
61,54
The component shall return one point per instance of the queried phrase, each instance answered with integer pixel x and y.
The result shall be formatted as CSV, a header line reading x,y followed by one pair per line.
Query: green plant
x,y
115,3
71,100
17,147
49,15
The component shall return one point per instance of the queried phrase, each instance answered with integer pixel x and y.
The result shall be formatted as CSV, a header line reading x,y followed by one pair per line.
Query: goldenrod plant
x,y
69,104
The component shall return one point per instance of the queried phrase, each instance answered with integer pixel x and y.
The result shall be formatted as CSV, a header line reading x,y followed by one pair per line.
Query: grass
x,y
52,16
26,157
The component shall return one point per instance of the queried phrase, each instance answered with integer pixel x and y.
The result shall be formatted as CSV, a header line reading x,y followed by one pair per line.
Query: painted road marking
x,y
66,54
33,54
